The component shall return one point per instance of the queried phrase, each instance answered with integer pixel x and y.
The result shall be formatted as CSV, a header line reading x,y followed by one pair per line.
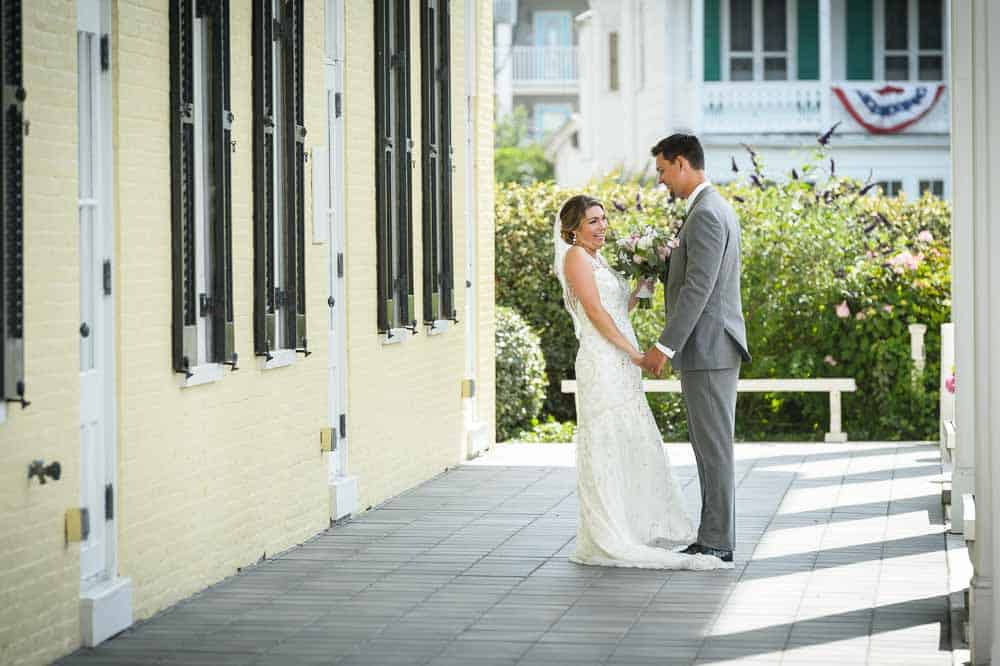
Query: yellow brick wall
x,y
210,477
405,403
39,573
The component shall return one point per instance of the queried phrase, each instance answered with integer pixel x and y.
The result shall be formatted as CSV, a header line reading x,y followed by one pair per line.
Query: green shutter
x,y
808,40
860,40
713,41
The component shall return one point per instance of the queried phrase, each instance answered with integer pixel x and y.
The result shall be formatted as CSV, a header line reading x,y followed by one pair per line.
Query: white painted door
x,y
334,182
96,375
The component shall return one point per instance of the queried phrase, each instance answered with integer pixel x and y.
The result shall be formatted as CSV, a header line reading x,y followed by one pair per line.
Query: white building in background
x,y
535,60
770,73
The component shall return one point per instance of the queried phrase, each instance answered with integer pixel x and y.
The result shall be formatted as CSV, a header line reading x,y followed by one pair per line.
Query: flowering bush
x,y
832,277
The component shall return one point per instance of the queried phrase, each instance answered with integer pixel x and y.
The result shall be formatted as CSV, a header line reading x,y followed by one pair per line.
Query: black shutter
x,y
384,164
223,337
12,205
431,158
182,184
295,202
264,333
405,214
446,280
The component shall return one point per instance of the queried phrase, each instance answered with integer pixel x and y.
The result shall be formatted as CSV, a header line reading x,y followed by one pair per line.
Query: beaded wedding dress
x,y
626,490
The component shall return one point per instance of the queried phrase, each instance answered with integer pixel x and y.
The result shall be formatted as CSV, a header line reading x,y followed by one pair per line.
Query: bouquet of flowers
x,y
643,253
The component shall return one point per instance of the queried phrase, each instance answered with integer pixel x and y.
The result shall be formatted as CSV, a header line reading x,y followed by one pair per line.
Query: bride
x,y
628,496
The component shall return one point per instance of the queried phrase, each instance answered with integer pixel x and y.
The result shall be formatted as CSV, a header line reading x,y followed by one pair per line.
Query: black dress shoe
x,y
724,555
693,549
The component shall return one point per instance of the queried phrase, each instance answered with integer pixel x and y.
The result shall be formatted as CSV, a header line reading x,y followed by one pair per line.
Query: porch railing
x,y
791,106
545,65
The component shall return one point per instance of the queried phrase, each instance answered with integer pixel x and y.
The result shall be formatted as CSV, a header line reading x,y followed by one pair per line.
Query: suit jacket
x,y
705,326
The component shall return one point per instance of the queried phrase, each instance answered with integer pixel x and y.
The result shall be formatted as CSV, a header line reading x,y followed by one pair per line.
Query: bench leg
x,y
835,434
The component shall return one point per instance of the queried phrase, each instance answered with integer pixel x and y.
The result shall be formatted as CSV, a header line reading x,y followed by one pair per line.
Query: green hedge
x,y
520,374
806,249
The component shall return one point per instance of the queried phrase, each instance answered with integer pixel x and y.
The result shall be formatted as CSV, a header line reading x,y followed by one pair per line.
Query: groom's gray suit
x,y
705,329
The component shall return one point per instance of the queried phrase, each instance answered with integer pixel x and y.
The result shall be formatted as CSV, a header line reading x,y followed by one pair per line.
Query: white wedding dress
x,y
626,490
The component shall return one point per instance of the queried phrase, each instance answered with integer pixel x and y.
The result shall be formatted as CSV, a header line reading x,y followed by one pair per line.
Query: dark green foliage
x,y
520,374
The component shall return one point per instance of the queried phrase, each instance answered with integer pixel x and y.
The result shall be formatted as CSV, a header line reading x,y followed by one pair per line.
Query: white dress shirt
x,y
690,200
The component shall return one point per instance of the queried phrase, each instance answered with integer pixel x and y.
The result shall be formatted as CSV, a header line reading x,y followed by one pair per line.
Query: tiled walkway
x,y
841,559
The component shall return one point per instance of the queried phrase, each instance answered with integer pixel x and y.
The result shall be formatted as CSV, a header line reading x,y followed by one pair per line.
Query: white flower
x,y
645,243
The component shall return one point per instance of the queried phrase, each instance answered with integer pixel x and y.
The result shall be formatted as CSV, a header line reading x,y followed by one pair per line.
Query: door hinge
x,y
204,305
107,277
109,502
340,264
105,53
338,105
342,430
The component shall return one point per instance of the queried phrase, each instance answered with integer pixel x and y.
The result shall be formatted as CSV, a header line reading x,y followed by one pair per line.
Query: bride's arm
x,y
580,275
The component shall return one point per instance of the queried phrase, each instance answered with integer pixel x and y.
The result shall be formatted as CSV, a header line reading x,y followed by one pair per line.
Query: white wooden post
x,y
825,65
946,400
505,74
917,332
835,434
697,74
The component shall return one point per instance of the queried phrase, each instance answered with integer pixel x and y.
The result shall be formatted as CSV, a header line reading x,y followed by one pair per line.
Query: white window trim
x,y
913,51
280,358
396,336
278,145
205,373
759,54
439,326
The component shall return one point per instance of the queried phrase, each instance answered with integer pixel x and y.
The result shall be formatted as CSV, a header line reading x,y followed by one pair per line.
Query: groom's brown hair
x,y
676,145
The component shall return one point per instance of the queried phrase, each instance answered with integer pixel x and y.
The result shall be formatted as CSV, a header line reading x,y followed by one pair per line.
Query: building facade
x,y
246,278
773,74
535,61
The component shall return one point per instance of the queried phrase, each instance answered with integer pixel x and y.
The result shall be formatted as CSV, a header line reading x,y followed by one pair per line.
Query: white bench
x,y
832,385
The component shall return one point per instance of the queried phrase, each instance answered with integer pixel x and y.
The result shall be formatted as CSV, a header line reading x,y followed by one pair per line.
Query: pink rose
x,y
663,251
859,316
842,310
636,259
887,308
925,237
829,360
949,383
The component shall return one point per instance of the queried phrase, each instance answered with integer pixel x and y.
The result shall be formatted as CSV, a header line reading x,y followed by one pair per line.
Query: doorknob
x,y
84,330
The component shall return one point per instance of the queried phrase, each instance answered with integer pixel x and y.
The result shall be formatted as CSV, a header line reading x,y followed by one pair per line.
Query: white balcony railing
x,y
792,106
545,65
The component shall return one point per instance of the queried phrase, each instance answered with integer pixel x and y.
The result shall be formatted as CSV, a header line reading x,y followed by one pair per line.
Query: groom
x,y
704,336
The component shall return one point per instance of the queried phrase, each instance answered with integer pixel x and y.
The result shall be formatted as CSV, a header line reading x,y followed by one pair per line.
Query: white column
x,y
697,59
825,64
976,177
963,243
504,54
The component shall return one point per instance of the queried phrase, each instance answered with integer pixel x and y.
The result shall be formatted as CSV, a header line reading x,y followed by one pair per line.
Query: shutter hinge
x,y
343,426
105,53
338,105
340,264
107,277
109,502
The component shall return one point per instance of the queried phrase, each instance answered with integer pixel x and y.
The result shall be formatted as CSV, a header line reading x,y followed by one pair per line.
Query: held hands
x,y
653,361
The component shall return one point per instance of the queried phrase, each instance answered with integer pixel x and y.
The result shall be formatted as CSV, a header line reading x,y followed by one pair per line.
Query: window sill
x,y
279,359
396,336
203,374
439,326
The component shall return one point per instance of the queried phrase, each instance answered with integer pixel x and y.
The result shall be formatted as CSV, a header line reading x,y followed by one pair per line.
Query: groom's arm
x,y
705,240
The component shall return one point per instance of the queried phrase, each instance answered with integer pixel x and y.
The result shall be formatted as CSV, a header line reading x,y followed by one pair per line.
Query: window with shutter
x,y
757,39
279,177
201,194
393,159
12,205
438,155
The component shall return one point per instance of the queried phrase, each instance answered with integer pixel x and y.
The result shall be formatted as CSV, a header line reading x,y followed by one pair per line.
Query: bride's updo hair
x,y
571,215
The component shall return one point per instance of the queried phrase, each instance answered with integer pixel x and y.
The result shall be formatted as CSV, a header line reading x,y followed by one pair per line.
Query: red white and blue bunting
x,y
890,108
